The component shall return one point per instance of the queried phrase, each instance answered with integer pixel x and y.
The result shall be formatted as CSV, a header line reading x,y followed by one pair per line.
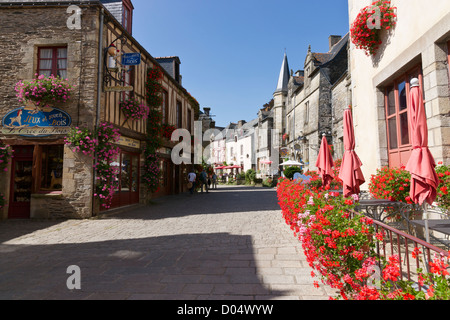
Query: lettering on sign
x,y
131,59
128,142
119,89
36,122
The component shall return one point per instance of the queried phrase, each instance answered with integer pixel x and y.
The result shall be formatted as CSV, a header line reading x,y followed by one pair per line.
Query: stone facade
x,y
411,49
25,29
314,100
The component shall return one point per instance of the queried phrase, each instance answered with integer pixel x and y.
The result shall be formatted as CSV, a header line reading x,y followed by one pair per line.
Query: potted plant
x,y
43,92
134,110
5,154
366,34
443,196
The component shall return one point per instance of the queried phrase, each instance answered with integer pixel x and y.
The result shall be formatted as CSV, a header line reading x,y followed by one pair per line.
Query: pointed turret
x,y
283,79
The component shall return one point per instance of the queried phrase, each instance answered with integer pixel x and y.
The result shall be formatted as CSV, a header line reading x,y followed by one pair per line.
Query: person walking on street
x,y
214,181
204,180
191,178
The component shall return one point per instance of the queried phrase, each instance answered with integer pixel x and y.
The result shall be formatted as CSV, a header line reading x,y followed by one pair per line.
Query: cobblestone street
x,y
230,244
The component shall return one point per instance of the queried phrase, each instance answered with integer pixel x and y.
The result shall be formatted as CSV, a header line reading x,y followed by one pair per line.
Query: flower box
x,y
366,29
43,91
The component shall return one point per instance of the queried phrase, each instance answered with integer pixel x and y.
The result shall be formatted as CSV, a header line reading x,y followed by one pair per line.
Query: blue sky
x,y
231,50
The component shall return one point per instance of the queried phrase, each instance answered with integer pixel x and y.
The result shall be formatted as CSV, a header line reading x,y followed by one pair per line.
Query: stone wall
x,y
24,30
340,100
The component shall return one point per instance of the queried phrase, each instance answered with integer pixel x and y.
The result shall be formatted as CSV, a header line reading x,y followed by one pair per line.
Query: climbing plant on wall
x,y
151,170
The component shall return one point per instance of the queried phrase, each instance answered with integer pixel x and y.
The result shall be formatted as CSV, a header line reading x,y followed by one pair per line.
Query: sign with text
x,y
131,59
129,142
119,89
36,122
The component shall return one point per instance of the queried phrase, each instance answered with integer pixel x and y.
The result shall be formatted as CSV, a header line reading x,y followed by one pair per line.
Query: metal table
x,y
377,209
442,226
439,225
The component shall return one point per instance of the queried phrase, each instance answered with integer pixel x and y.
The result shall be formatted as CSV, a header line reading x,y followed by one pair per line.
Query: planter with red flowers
x,y
134,110
167,131
366,29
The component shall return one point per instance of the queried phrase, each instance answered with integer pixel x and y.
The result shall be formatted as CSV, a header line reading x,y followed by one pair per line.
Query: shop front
x,y
36,138
127,168
35,170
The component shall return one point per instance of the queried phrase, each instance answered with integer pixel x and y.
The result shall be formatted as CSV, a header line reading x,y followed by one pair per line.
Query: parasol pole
x,y
427,229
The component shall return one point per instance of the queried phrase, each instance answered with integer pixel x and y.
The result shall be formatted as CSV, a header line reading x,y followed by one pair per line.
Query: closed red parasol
x,y
350,172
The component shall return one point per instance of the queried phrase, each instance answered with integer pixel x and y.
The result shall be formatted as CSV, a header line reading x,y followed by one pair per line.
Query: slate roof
x,y
283,79
323,58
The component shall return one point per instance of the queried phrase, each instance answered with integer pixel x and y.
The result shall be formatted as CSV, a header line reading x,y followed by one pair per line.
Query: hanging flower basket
x,y
5,155
82,141
366,28
133,110
167,131
44,91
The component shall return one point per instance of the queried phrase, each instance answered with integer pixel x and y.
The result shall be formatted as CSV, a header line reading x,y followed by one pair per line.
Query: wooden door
x,y
21,183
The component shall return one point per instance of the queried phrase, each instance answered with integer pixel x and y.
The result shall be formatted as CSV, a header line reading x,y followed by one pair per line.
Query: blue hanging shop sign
x,y
131,59
35,122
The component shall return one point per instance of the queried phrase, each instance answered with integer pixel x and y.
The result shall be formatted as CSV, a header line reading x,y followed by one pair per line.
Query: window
x,y
397,126
128,80
52,61
307,112
179,115
448,64
51,164
189,120
127,16
165,107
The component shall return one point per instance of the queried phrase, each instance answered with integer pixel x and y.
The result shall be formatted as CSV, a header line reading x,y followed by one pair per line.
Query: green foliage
x,y
5,155
443,194
250,176
289,172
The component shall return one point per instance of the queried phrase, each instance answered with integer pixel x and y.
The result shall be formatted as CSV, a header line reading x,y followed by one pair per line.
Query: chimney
x,y
122,10
207,111
241,123
332,40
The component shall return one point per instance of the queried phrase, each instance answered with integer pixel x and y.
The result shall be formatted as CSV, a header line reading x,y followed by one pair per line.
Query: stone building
x,y
418,46
267,149
310,103
46,178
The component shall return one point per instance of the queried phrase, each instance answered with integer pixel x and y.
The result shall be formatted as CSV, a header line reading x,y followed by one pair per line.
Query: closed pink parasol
x,y
350,172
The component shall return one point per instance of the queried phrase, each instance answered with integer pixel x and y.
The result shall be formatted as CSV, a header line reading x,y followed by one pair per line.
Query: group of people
x,y
207,181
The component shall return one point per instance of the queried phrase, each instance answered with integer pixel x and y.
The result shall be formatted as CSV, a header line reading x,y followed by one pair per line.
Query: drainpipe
x,y
99,95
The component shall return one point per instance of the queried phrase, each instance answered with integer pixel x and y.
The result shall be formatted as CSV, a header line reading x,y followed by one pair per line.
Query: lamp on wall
x,y
111,54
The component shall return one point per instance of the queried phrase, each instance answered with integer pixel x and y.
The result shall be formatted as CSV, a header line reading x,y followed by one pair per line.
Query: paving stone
x,y
232,245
